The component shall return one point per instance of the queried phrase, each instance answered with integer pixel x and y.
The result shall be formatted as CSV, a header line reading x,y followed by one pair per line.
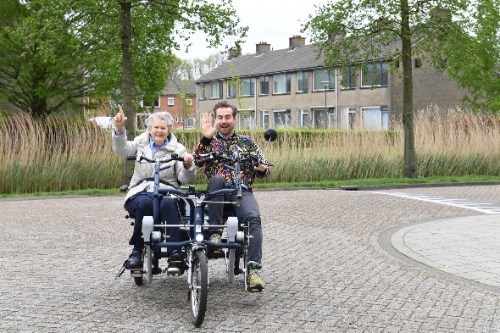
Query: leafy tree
x,y
476,67
52,52
370,29
193,69
146,32
40,62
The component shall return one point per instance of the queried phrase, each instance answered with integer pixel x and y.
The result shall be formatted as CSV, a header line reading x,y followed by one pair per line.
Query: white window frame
x,y
288,118
246,119
302,77
378,70
263,115
171,101
321,75
301,114
247,87
216,90
281,84
375,117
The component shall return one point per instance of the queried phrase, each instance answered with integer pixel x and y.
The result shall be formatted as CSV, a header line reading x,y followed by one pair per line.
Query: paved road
x,y
331,263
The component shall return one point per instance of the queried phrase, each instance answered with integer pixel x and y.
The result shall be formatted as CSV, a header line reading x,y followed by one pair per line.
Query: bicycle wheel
x,y
138,280
199,287
138,277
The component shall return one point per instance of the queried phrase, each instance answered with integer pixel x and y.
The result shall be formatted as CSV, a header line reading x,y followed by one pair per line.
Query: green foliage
x,y
53,52
40,63
475,63
373,30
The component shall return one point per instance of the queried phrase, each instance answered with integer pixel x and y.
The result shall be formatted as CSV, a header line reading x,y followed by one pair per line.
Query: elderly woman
x,y
157,142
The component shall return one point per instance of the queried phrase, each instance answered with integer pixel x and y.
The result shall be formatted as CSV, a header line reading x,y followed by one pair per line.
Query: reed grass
x,y
54,155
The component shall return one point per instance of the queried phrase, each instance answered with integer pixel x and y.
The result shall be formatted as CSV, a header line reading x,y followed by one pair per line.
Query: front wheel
x,y
199,287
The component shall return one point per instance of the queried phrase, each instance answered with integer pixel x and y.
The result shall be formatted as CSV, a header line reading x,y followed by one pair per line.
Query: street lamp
x,y
325,84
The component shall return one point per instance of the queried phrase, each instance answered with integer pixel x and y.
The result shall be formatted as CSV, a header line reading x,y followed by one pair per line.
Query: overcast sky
x,y
271,21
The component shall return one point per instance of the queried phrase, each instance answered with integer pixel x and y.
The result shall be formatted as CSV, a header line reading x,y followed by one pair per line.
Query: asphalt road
x,y
328,264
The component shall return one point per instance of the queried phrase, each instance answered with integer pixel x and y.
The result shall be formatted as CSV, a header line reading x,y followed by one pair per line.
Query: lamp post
x,y
325,84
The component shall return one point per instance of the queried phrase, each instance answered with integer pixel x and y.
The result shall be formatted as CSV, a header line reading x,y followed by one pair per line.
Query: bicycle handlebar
x,y
223,156
139,158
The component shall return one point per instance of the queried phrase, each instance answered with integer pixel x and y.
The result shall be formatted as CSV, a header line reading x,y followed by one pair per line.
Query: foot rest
x,y
136,272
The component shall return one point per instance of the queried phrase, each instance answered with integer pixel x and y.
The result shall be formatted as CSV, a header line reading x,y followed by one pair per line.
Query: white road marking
x,y
486,208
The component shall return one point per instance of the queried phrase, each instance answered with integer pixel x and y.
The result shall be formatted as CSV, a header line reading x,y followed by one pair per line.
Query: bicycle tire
x,y
199,287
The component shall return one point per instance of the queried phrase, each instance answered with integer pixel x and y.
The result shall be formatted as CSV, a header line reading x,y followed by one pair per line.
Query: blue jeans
x,y
142,205
249,214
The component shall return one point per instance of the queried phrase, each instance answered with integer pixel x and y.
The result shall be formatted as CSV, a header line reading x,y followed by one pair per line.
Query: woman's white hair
x,y
162,115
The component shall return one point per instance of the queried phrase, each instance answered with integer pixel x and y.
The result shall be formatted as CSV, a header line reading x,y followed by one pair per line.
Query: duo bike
x,y
194,227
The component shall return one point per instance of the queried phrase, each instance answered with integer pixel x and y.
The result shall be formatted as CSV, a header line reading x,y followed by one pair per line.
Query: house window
x,y
349,78
347,117
375,74
304,118
246,120
247,87
264,119
322,75
231,89
375,118
170,101
282,118
216,89
189,101
324,119
203,91
281,83
302,82
264,85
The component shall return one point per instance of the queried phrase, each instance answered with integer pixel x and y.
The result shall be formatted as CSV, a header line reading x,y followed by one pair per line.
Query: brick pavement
x,y
323,264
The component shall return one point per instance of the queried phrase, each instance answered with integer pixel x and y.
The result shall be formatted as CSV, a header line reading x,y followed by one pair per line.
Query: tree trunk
x,y
409,137
127,66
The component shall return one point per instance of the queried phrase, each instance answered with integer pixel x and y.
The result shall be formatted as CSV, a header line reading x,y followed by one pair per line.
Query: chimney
x,y
263,47
336,36
233,52
296,41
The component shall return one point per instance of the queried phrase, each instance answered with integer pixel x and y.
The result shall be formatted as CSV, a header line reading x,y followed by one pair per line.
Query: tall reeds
x,y
56,155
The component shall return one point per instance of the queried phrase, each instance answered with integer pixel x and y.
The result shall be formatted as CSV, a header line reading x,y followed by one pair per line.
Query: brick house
x,y
179,99
291,88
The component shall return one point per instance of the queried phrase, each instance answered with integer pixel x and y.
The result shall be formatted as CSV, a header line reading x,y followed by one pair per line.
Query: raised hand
x,y
208,129
120,119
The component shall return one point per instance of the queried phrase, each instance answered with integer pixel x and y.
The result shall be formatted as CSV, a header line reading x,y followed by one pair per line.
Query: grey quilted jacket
x,y
142,179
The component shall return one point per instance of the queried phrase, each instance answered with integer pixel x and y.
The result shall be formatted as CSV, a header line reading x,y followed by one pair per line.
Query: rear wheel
x,y
199,287
138,274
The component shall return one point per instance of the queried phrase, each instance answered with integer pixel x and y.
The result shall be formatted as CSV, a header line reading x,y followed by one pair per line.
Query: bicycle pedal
x,y
173,270
136,272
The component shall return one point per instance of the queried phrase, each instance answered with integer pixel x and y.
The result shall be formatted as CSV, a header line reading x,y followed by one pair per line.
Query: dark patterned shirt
x,y
220,144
